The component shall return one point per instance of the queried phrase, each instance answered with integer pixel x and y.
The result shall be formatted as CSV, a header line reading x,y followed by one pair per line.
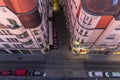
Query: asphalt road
x,y
65,68
63,78
62,69
28,65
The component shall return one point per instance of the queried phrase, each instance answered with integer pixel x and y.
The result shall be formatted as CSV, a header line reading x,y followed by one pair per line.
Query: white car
x,y
95,74
112,74
38,73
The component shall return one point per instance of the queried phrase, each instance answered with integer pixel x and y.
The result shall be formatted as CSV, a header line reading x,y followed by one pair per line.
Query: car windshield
x,y
93,74
109,73
115,74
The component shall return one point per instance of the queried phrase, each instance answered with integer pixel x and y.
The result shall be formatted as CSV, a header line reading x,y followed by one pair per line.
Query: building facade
x,y
23,27
94,28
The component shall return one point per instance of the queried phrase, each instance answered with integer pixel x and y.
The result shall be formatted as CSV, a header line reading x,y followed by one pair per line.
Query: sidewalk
x,y
38,57
103,58
67,54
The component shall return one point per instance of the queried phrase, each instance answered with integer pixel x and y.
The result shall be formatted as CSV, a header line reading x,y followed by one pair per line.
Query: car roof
x,y
96,71
20,71
116,73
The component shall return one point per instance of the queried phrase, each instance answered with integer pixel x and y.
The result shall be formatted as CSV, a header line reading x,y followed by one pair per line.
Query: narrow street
x,y
60,22
59,61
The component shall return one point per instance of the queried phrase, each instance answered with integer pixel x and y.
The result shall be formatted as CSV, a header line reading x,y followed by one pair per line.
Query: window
x,y
27,43
111,36
35,32
39,39
71,6
82,41
87,20
118,27
24,35
12,39
12,21
14,26
86,33
3,9
7,46
74,4
36,52
81,31
16,40
3,52
47,42
8,32
77,30
25,51
21,45
8,39
103,44
1,40
15,45
46,50
42,4
1,33
15,51
5,33
42,28
41,46
44,35
18,45
1,24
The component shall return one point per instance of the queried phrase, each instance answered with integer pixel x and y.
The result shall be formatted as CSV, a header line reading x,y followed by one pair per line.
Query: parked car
x,y
38,73
6,72
20,72
112,74
95,74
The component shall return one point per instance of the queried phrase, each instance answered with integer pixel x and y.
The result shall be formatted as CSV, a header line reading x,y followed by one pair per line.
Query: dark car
x,y
20,72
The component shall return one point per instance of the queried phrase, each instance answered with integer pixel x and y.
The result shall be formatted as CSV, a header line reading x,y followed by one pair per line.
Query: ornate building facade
x,y
94,28
23,26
